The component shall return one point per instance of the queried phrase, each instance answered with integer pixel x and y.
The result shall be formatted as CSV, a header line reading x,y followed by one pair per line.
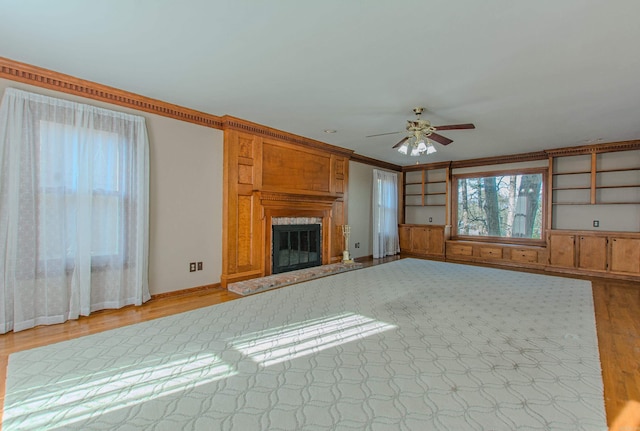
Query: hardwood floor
x,y
617,310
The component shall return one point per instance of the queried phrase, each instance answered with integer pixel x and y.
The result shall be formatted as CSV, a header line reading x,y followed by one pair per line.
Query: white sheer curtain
x,y
74,210
385,213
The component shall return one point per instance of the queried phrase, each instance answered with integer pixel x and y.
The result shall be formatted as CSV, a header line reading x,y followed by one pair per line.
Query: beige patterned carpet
x,y
408,345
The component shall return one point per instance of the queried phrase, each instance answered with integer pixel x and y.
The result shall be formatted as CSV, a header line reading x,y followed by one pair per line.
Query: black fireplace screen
x,y
296,247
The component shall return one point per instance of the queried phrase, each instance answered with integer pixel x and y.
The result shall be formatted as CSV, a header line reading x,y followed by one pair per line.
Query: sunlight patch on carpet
x,y
306,338
76,399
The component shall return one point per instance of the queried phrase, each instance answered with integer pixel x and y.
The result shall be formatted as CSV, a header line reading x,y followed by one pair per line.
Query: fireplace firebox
x,y
295,247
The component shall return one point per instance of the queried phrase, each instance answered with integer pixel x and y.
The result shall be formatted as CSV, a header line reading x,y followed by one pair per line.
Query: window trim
x,y
495,239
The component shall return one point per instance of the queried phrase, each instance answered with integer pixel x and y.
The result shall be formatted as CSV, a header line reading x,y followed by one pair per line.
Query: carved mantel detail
x,y
268,198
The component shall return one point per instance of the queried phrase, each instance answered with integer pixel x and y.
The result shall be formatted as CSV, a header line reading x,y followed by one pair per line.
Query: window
x,y
65,181
385,214
74,209
508,205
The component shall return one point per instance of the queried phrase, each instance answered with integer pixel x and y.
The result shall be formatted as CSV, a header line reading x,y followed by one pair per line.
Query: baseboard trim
x,y
186,291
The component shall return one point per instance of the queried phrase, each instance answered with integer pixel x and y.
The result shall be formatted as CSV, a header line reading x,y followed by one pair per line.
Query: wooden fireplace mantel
x,y
268,176
284,204
295,200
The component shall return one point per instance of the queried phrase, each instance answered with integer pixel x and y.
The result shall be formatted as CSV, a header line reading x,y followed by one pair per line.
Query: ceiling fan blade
x,y
400,143
456,126
382,134
440,139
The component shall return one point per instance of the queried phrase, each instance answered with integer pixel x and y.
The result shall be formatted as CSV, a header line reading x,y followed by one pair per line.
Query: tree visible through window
x,y
505,205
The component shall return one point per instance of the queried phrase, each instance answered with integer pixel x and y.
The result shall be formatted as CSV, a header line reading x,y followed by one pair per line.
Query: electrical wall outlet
x,y
192,267
596,223
357,245
430,219
199,266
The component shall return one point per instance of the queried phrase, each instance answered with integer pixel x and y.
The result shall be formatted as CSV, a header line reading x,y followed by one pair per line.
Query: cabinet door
x,y
436,241
625,255
593,253
419,240
562,250
405,238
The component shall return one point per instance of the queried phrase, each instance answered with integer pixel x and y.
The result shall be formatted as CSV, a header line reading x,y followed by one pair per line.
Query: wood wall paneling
x,y
337,237
242,221
266,178
288,168
244,239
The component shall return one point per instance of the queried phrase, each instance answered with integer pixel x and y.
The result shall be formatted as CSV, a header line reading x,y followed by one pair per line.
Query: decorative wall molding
x,y
233,123
44,78
266,197
498,160
436,165
40,77
594,148
374,162
533,156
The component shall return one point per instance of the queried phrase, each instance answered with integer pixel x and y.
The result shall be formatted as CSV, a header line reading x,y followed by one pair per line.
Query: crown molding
x,y
375,162
594,148
498,160
427,166
40,77
233,123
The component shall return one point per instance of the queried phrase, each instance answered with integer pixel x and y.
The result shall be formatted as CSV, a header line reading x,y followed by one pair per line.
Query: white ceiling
x,y
530,75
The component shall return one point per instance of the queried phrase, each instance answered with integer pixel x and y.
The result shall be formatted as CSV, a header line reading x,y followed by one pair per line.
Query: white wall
x,y
359,207
185,197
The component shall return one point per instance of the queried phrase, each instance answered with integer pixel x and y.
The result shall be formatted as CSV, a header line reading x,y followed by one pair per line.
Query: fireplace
x,y
296,246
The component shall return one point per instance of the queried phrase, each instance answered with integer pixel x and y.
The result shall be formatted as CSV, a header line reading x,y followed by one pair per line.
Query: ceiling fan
x,y
421,131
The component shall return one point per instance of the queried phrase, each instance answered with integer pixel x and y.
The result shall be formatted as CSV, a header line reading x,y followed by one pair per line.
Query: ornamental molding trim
x,y
44,78
512,158
294,198
376,163
233,123
594,148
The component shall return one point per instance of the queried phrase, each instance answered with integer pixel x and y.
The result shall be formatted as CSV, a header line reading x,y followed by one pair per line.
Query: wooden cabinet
x,y
562,250
491,252
405,238
593,253
422,240
625,255
459,250
615,254
500,254
525,255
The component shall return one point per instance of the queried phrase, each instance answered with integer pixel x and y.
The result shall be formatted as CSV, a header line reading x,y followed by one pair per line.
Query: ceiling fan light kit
x,y
416,146
421,134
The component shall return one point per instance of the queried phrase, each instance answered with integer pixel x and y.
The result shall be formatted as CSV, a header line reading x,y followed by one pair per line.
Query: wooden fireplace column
x,y
269,173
